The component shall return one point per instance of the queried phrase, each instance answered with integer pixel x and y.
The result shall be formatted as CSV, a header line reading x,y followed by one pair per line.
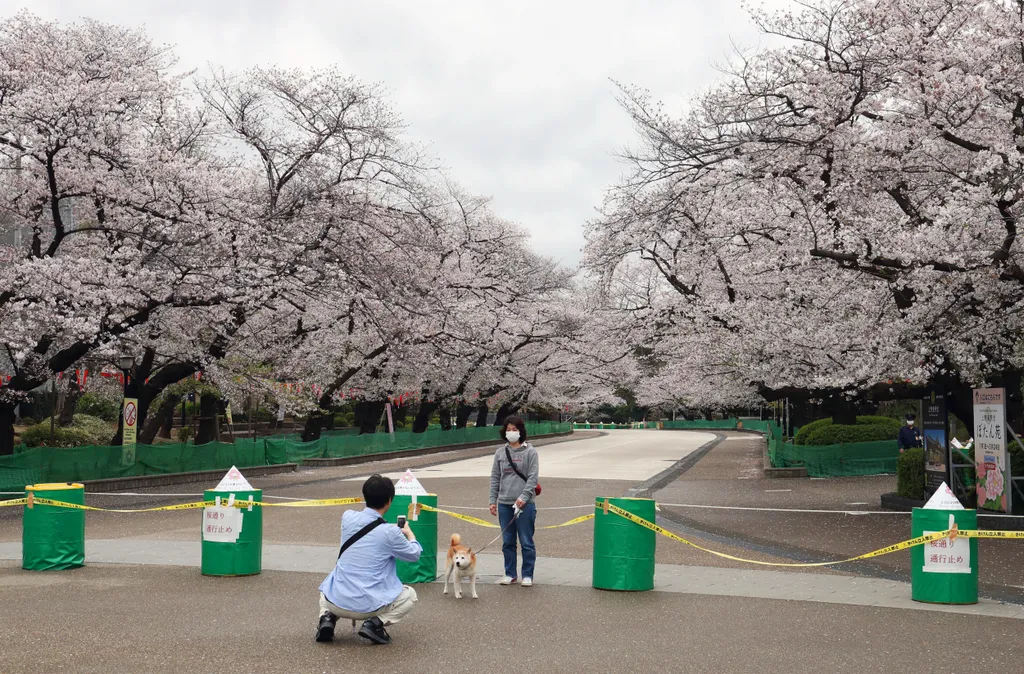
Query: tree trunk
x,y
209,407
168,424
314,425
161,420
504,412
70,401
367,415
7,428
481,415
446,418
400,414
462,415
423,414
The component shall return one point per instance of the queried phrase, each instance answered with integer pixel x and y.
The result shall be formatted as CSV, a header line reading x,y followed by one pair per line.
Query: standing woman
x,y
514,477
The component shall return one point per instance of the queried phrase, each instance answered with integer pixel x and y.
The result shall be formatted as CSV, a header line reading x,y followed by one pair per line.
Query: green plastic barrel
x,y
244,555
944,571
53,537
424,527
624,550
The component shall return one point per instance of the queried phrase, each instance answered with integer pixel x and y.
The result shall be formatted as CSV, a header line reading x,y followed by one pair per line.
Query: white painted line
x,y
776,491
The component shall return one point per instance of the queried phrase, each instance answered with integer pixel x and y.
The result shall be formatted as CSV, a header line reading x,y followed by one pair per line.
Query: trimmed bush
x,y
910,474
868,429
98,406
100,430
69,436
84,430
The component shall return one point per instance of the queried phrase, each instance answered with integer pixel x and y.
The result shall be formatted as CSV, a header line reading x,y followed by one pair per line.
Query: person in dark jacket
x,y
909,435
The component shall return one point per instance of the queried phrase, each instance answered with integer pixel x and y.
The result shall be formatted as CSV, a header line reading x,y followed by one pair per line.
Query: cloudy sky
x,y
514,97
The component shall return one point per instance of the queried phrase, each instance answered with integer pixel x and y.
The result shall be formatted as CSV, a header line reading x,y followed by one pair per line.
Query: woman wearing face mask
x,y
514,476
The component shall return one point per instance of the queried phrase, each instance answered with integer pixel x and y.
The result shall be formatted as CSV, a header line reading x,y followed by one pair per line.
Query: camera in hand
x,y
401,521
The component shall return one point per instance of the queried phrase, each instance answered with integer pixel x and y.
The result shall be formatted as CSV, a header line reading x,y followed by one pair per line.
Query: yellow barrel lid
x,y
54,486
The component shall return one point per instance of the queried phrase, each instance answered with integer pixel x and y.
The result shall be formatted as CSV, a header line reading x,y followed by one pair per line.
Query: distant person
x,y
364,584
909,435
514,476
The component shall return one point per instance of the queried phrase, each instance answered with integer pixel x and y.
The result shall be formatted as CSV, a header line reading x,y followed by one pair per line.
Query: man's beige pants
x,y
389,615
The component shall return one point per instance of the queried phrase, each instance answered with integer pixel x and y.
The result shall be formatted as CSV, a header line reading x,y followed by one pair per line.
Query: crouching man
x,y
364,584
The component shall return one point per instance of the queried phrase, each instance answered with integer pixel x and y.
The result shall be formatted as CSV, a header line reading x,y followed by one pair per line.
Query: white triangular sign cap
x,y
408,485
233,481
943,499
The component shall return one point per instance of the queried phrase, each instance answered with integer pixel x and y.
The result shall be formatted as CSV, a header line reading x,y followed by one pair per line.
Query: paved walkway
x,y
618,455
829,589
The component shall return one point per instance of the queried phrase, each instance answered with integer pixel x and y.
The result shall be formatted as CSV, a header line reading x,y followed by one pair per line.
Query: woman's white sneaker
x,y
507,580
527,582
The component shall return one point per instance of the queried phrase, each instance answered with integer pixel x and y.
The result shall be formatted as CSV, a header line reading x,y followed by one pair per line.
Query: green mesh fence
x,y
97,462
289,450
842,460
65,464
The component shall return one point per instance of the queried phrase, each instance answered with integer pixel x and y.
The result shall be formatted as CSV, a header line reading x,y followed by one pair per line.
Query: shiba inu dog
x,y
462,562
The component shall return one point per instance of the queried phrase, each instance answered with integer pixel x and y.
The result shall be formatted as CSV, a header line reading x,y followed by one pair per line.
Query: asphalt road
x,y
163,619
158,619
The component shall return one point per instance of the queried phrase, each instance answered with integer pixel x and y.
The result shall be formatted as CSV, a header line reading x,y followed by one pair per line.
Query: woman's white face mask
x,y
512,436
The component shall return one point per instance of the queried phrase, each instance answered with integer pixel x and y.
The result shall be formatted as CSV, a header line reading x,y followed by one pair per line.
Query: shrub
x,y
184,434
100,430
867,429
802,433
910,474
98,406
84,430
68,436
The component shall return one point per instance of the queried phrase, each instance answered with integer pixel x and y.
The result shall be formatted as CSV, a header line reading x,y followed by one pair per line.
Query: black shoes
x,y
325,631
373,629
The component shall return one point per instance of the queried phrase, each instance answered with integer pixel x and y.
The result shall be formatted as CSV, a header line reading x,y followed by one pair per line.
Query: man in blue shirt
x,y
364,584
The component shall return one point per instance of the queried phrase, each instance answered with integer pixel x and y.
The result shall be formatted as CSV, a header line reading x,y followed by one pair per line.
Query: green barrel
x,y
53,537
624,550
425,529
244,556
944,572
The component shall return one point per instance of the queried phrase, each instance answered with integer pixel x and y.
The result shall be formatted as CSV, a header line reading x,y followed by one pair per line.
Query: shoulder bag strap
x,y
508,455
359,534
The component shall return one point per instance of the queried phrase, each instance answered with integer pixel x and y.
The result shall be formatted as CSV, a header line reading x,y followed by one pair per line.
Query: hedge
x,y
868,429
910,474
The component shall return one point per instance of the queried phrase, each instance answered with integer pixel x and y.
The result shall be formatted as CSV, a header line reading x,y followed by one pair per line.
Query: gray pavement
x,y
752,583
151,619
141,605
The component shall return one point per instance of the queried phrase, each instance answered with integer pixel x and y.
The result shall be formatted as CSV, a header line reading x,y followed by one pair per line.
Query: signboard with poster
x,y
990,449
934,423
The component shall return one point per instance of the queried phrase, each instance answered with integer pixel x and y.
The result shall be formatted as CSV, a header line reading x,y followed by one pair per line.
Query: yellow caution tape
x,y
982,533
313,503
13,502
77,506
491,525
186,506
459,516
570,522
875,553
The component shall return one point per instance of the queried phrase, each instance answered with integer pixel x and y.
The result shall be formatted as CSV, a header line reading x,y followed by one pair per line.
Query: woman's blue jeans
x,y
522,527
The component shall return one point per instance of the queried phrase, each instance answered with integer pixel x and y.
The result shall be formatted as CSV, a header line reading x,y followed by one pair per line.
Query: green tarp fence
x,y
67,464
97,462
842,460
289,450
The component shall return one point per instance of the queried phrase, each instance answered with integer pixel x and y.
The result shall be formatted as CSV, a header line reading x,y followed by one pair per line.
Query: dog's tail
x,y
456,539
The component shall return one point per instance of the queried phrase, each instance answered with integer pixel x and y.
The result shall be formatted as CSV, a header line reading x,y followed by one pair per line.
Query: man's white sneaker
x,y
507,581
527,582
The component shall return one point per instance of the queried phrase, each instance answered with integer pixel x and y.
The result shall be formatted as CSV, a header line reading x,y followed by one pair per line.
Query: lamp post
x,y
126,364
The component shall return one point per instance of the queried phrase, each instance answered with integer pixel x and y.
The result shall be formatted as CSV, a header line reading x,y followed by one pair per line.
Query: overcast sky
x,y
514,97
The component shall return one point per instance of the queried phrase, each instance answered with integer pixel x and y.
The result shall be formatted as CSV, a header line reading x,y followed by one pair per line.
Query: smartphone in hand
x,y
401,521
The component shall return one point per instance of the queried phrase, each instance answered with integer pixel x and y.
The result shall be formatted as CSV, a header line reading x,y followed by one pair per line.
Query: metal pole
x,y
53,409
